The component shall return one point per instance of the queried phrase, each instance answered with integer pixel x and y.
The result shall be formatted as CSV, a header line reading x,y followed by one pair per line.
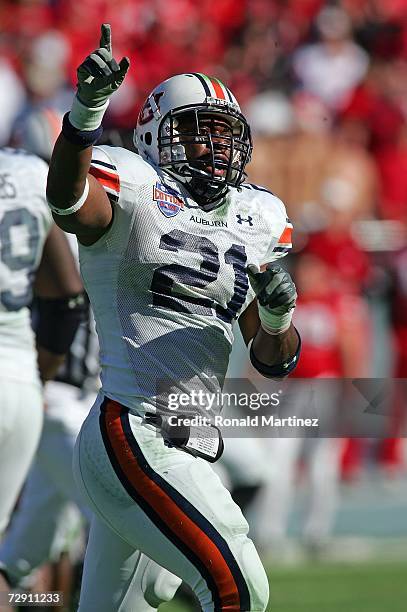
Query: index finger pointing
x,y
106,37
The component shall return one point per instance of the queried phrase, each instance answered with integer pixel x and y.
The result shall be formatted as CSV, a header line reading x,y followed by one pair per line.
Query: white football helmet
x,y
201,103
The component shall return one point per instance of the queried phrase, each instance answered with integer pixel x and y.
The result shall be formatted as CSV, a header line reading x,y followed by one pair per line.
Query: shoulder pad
x,y
271,207
273,212
114,167
131,166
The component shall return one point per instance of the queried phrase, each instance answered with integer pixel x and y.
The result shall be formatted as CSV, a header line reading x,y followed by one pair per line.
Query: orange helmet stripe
x,y
218,88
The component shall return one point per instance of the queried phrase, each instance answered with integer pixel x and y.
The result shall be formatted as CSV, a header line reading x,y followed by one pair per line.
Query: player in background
x,y
34,258
165,241
46,518
42,516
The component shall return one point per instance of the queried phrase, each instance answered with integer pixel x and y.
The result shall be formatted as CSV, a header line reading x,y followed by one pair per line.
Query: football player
x,y
34,258
167,239
67,396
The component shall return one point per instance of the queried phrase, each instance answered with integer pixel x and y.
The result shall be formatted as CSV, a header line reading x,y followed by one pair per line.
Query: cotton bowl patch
x,y
168,201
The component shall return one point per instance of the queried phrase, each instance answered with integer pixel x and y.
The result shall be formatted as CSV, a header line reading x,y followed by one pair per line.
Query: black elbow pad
x,y
58,319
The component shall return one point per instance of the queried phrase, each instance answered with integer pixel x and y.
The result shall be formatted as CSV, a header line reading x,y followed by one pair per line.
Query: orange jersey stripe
x,y
107,179
178,522
218,89
285,237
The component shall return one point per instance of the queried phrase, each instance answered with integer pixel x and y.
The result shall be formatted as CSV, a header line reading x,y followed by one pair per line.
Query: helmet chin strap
x,y
207,195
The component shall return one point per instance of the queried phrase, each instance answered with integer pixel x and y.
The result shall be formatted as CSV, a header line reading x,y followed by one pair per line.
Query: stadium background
x,y
324,87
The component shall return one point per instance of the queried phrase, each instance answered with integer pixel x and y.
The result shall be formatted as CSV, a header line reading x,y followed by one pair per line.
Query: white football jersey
x,y
25,221
168,280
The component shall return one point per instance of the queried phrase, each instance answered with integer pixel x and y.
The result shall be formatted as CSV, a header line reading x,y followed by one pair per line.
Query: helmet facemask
x,y
205,148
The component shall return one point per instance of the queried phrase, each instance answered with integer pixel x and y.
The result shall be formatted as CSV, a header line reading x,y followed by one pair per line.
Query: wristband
x,y
75,207
272,323
86,118
281,369
83,138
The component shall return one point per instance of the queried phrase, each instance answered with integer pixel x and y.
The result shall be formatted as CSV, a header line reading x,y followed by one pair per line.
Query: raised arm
x,y
79,204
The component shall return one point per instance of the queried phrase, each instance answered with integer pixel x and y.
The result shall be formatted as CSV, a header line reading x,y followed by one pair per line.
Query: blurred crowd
x,y
324,87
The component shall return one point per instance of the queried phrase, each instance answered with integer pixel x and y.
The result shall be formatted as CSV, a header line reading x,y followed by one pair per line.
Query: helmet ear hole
x,y
142,137
148,138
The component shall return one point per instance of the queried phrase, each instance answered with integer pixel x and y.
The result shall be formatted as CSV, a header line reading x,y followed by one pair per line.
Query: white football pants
x,y
167,504
21,415
50,485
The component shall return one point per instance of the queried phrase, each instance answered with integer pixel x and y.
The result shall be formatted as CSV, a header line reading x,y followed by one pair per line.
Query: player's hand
x,y
100,75
274,288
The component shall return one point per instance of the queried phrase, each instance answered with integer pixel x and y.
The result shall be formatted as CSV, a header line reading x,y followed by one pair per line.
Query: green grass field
x,y
368,587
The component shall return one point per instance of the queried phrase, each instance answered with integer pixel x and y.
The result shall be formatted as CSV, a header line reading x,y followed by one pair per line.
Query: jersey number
x,y
11,220
164,278
7,188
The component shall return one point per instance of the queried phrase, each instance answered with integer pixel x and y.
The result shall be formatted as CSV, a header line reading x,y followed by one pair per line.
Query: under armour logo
x,y
249,220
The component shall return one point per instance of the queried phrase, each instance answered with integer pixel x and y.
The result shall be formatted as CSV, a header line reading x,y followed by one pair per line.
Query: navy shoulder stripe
x,y
100,163
257,188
